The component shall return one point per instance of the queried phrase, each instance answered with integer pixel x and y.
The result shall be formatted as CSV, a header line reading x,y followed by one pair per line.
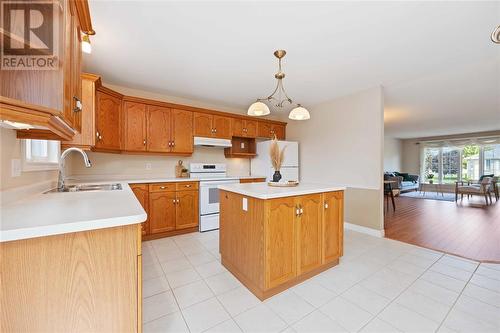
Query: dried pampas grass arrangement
x,y
276,154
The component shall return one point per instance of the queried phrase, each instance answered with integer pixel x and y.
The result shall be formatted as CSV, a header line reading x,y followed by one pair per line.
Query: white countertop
x,y
153,179
264,191
59,213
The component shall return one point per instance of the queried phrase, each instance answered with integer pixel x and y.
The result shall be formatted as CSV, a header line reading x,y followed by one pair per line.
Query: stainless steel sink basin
x,y
87,187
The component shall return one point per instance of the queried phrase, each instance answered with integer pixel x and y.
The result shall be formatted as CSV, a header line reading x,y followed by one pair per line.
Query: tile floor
x,y
380,285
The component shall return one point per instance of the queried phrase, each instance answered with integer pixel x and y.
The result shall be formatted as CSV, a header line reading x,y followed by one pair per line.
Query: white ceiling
x,y
440,71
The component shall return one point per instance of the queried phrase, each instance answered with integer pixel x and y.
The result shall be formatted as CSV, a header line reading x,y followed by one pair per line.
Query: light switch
x,y
242,145
245,204
148,166
15,167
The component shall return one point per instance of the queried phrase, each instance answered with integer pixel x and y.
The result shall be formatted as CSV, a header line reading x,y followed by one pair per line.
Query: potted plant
x,y
276,159
430,177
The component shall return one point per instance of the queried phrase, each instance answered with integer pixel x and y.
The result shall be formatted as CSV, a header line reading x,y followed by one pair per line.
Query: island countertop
x,y
264,191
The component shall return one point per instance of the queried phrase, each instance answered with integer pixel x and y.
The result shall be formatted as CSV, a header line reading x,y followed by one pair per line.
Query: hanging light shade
x,y
86,47
258,109
299,113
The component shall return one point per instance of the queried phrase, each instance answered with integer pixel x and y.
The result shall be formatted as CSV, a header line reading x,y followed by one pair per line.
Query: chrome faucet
x,y
60,181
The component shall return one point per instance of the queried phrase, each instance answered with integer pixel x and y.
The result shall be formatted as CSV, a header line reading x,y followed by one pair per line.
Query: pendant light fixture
x,y
495,35
278,97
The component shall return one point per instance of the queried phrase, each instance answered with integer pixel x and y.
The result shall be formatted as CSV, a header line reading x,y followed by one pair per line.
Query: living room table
x,y
390,192
437,186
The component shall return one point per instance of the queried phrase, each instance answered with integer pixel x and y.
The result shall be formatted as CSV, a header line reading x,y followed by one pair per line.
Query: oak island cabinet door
x,y
142,195
182,131
281,242
202,123
134,126
309,232
332,225
108,130
187,209
162,211
159,129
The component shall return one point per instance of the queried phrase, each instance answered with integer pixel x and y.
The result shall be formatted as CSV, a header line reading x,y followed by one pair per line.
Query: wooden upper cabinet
x,y
187,209
264,129
309,233
332,225
281,250
202,124
159,131
134,124
162,212
222,127
108,129
279,131
142,194
182,131
244,128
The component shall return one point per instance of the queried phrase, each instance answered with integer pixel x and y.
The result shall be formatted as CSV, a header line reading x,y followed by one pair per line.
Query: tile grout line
x,y
456,300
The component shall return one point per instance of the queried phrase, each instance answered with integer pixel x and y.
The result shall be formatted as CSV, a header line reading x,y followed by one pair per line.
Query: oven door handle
x,y
218,182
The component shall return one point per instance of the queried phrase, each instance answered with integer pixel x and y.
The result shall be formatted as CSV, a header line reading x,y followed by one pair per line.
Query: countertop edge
x,y
282,195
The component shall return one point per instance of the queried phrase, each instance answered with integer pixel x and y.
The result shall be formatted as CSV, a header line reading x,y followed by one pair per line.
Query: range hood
x,y
211,142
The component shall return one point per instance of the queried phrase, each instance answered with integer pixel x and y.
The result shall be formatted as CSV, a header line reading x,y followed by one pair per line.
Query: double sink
x,y
87,187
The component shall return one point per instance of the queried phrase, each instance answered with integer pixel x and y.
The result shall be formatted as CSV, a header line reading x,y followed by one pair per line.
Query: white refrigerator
x,y
261,164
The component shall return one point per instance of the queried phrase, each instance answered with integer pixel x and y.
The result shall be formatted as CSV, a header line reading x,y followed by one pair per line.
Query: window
x,y
449,164
40,154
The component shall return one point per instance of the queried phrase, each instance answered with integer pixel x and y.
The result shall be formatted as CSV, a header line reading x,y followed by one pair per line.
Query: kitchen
x,y
159,179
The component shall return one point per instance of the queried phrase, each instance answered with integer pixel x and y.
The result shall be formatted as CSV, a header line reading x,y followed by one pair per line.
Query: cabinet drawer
x,y
161,187
186,186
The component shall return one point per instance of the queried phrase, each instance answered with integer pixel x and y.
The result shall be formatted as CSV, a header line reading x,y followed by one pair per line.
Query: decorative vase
x,y
276,176
431,181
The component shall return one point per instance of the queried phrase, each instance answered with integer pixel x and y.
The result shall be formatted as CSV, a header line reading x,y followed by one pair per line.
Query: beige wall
x,y
392,154
11,149
342,143
137,165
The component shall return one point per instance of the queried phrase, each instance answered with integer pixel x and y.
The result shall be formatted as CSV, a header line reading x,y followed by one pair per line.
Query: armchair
x,y
484,188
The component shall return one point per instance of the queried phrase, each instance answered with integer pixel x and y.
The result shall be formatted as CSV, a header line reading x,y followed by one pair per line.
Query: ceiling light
x,y
278,97
495,35
86,47
258,109
299,113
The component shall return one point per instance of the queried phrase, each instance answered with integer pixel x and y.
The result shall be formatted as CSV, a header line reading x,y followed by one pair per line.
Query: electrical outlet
x,y
242,145
15,167
148,166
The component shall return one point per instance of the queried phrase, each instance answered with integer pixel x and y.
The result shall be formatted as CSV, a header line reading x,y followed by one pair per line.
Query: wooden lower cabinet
x,y
172,208
85,281
277,243
161,211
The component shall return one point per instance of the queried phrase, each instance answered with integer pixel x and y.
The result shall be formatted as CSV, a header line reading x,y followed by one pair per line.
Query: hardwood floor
x,y
468,229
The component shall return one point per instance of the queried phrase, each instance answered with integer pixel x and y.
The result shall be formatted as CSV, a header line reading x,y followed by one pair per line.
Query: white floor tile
x,y
403,266
149,258
421,261
366,299
488,272
238,300
210,268
423,305
453,272
222,282
460,321
486,282
479,310
491,266
388,282
192,249
289,306
317,322
444,281
192,293
379,326
204,315
170,323
434,291
200,258
158,305
314,293
460,263
180,278
229,326
168,254
260,319
151,271
485,295
347,314
407,320
175,265
154,286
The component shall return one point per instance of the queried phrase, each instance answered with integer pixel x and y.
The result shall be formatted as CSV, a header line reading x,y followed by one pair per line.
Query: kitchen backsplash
x,y
148,165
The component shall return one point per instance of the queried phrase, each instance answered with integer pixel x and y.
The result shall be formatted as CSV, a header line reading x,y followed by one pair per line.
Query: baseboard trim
x,y
364,230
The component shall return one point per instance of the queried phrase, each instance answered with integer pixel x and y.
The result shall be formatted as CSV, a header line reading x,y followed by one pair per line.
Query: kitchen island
x,y
272,238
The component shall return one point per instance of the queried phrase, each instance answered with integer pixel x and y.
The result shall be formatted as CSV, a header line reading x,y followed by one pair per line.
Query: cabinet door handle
x,y
173,201
162,187
170,143
326,205
178,200
188,185
144,142
301,211
297,211
173,143
78,104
